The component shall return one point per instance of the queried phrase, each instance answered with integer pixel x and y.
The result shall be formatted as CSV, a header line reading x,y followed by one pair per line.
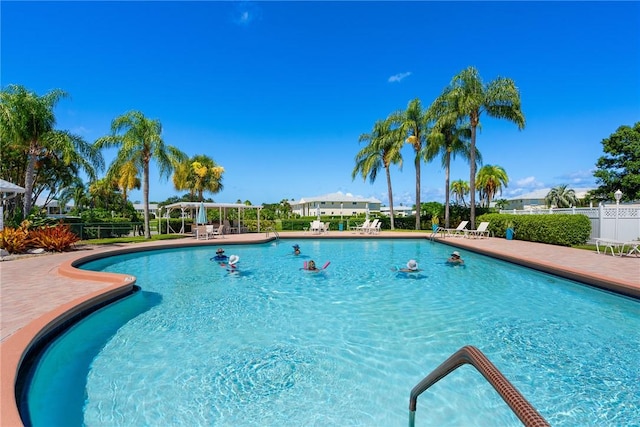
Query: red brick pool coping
x,y
26,318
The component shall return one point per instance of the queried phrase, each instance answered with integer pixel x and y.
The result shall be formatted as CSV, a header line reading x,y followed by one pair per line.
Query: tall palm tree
x,y
198,174
414,123
460,188
490,180
27,121
139,141
561,196
383,150
449,140
468,97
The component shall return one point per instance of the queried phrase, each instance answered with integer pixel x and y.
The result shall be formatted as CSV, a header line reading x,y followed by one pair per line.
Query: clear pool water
x,y
277,346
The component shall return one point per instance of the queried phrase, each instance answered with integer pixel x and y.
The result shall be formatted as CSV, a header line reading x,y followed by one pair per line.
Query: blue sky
x,y
278,92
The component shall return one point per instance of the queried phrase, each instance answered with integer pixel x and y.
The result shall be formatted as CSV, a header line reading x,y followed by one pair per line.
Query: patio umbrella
x,y
202,214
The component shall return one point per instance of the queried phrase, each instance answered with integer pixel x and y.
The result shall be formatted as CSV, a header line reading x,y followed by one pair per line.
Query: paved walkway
x,y
37,291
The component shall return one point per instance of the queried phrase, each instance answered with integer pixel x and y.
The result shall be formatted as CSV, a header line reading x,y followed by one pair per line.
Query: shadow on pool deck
x,y
40,291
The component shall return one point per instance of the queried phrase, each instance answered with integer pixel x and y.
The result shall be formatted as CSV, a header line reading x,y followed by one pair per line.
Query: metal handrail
x,y
272,229
471,355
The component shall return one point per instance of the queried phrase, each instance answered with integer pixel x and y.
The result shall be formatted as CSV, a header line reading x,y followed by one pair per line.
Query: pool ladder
x,y
471,355
272,230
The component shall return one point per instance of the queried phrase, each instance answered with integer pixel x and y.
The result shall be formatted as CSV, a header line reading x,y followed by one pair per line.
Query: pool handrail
x,y
473,356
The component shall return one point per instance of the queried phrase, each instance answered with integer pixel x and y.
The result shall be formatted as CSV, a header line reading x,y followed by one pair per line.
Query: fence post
x,y
600,219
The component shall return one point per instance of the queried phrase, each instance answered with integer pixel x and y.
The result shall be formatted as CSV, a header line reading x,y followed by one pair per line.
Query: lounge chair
x,y
218,231
375,229
325,227
371,229
361,227
452,232
316,227
622,248
481,231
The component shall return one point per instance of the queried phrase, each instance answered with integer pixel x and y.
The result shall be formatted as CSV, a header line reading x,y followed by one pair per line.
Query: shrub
x,y
15,240
555,229
59,238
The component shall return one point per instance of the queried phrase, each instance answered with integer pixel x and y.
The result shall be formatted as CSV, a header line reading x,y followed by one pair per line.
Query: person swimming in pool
x,y
220,256
412,267
296,249
455,258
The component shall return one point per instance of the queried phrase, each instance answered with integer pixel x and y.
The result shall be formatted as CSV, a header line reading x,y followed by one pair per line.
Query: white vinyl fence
x,y
617,222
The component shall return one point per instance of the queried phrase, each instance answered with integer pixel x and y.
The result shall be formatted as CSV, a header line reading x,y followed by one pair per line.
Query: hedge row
x,y
555,229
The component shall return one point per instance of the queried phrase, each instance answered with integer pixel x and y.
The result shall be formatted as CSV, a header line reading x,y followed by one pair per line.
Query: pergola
x,y
7,191
192,207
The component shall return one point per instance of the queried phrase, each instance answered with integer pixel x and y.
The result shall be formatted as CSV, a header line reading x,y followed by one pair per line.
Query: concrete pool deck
x,y
39,293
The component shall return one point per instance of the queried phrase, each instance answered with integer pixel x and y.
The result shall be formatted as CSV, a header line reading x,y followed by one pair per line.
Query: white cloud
x,y
529,182
246,12
399,77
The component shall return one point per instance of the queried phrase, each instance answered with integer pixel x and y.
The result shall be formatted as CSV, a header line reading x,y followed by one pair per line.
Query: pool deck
x,y
38,293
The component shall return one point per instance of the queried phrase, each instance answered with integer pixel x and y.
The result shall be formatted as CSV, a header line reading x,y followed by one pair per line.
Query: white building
x,y
337,204
397,210
535,199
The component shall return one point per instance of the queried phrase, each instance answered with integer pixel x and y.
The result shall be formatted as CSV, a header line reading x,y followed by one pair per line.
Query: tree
x,y
490,180
413,123
27,124
449,140
139,141
459,189
561,197
467,97
619,168
383,150
198,174
127,178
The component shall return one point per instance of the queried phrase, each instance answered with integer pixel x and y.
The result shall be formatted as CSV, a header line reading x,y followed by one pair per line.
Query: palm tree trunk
x,y
446,190
145,197
417,162
472,178
390,197
28,180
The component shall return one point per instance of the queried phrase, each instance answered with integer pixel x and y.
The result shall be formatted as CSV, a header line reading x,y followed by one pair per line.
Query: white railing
x,y
616,222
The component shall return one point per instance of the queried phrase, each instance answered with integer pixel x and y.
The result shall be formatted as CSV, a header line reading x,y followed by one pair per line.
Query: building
x,y
336,204
397,210
535,199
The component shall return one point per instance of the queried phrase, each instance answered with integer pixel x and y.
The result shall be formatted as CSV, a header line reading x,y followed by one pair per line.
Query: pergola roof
x,y
195,205
7,187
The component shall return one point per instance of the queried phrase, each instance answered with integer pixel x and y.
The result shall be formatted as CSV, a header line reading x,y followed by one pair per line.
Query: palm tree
x,y
198,174
449,140
383,150
127,178
413,123
459,188
467,97
28,121
490,180
561,197
139,141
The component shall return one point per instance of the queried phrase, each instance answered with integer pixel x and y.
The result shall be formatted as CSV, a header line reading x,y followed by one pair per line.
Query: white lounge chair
x,y
481,231
325,227
361,227
371,229
316,227
219,231
375,229
452,232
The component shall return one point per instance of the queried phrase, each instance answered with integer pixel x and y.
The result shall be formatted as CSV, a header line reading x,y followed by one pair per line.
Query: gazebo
x,y
222,208
7,191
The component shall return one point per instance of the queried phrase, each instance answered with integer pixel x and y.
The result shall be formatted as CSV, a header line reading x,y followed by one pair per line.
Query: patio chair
x,y
325,227
375,229
360,228
371,229
316,227
452,232
480,232
218,231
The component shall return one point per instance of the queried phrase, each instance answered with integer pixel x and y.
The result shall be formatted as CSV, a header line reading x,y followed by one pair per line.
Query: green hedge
x,y
555,229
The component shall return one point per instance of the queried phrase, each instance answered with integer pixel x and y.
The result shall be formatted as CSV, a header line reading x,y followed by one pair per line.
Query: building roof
x,y
542,193
338,197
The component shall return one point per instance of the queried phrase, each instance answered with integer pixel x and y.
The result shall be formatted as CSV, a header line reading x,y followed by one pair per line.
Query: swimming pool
x,y
275,345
